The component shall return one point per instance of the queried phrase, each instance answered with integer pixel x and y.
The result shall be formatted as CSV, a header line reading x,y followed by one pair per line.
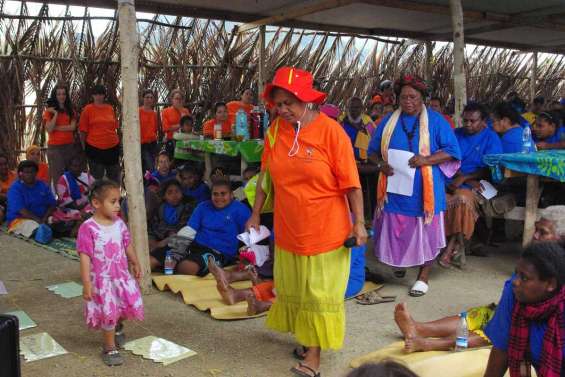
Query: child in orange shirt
x,y
33,153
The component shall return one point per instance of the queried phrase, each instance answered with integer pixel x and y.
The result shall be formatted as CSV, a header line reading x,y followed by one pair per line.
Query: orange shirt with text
x,y
312,215
147,125
170,117
100,125
59,137
208,128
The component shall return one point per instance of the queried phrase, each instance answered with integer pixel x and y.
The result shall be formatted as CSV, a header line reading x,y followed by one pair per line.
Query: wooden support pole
x,y
261,68
428,68
530,216
131,138
533,77
459,82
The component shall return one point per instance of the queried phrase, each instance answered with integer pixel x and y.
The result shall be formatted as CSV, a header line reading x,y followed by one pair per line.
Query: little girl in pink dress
x,y
110,292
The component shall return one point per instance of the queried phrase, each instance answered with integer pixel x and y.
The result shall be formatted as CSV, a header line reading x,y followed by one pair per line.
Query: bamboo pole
x,y
428,69
459,82
131,138
533,77
261,68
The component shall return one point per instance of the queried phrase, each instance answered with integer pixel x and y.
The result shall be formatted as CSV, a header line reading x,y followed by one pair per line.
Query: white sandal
x,y
419,289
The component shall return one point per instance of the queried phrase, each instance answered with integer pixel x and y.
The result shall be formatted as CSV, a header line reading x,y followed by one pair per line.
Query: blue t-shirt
x,y
352,132
498,328
441,138
512,140
218,228
37,199
474,147
162,178
356,271
200,193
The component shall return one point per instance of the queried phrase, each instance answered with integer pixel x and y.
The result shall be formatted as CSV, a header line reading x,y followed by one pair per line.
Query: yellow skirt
x,y
310,297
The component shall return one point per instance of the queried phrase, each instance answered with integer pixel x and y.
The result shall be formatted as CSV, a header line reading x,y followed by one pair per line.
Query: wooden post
x,y
533,77
261,67
131,138
428,69
530,216
459,82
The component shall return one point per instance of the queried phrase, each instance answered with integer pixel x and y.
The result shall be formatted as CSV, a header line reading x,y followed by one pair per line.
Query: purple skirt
x,y
405,241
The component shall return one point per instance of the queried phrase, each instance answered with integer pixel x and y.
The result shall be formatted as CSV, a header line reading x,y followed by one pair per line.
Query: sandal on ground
x,y
299,353
372,298
400,273
311,372
419,289
112,358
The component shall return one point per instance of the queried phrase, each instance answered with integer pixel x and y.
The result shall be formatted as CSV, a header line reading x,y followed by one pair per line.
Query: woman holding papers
x,y
408,147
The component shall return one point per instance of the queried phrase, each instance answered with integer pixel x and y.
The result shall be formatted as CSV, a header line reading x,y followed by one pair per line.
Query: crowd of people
x,y
322,187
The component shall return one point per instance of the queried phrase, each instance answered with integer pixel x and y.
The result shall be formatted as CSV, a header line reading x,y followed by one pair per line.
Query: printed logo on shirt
x,y
309,152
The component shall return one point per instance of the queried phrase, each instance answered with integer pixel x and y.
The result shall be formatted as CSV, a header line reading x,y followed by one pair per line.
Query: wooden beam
x,y
129,54
530,216
288,13
459,81
261,61
533,77
428,68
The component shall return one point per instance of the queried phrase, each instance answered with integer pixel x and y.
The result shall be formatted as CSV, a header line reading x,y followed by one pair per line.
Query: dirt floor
x,y
237,348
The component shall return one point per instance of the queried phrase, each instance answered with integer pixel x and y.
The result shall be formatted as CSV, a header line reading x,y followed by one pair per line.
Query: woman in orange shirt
x,y
98,127
316,186
148,131
221,117
33,153
7,177
170,119
245,103
60,120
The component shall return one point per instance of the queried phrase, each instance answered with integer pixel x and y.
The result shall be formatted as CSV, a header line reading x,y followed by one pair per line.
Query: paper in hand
x,y
402,181
488,190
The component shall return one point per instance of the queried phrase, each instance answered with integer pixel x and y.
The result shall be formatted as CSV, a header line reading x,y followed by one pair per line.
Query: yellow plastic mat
x,y
471,363
203,295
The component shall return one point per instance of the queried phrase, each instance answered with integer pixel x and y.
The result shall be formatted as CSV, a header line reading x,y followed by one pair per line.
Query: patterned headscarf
x,y
412,81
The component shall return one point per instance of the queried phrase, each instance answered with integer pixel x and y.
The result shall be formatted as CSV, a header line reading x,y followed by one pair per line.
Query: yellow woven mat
x,y
202,294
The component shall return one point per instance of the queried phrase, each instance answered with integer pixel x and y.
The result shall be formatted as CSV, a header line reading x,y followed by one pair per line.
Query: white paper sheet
x,y
402,181
489,191
252,237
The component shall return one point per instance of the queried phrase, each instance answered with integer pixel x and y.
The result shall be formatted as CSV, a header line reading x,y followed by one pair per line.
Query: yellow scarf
x,y
423,150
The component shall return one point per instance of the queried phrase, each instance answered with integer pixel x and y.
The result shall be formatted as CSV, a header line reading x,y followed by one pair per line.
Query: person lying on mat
x,y
439,335
528,327
262,294
216,224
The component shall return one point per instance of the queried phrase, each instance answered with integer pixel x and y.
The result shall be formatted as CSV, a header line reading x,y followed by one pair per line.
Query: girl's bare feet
x,y
404,321
255,306
417,344
219,274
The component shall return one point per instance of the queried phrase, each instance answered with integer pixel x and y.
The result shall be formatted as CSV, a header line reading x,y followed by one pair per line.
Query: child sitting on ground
x,y
172,215
110,293
163,172
247,174
192,184
217,223
72,192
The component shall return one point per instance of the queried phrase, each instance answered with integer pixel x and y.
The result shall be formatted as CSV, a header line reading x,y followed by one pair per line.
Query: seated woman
x,y
217,223
506,123
548,131
221,117
7,177
33,153
245,103
172,215
72,192
192,184
528,325
30,201
163,172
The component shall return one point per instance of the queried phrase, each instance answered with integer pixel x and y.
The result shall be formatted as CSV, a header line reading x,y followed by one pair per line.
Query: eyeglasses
x,y
405,98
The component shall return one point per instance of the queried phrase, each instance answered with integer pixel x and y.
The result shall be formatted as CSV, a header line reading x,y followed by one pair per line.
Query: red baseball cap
x,y
296,81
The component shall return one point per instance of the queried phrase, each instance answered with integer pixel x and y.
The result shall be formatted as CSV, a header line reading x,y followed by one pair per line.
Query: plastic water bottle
x,y
526,140
265,123
462,334
169,264
241,125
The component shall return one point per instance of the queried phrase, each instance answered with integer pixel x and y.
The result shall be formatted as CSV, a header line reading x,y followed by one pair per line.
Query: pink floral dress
x,y
115,293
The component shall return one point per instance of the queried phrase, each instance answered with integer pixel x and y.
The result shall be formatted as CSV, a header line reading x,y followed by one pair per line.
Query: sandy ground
x,y
237,348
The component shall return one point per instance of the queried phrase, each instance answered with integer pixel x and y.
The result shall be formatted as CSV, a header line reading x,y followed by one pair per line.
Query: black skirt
x,y
107,157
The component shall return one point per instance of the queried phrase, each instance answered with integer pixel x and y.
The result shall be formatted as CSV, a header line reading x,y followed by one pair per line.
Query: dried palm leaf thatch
x,y
208,62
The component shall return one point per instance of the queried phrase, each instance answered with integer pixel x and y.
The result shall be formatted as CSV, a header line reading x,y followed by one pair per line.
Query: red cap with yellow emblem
x,y
296,81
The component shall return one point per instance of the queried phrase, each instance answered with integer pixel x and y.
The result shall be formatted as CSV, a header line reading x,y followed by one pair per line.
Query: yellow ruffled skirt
x,y
310,294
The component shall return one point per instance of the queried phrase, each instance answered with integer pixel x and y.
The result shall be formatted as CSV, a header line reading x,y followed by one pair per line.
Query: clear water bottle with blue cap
x,y
169,267
241,125
462,333
527,141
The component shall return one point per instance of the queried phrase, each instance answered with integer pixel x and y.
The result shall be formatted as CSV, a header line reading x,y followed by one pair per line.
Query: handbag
x,y
267,183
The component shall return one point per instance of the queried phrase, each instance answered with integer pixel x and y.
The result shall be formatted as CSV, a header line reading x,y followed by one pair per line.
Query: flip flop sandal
x,y
400,273
301,373
299,353
419,289
112,358
373,298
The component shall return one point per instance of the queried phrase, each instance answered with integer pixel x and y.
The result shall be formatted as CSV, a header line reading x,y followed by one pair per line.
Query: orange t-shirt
x,y
449,120
100,124
5,185
43,172
147,125
234,106
311,209
170,117
59,137
208,128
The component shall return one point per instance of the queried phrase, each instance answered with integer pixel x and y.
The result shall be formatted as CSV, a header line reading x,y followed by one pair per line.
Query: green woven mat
x,y
64,246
